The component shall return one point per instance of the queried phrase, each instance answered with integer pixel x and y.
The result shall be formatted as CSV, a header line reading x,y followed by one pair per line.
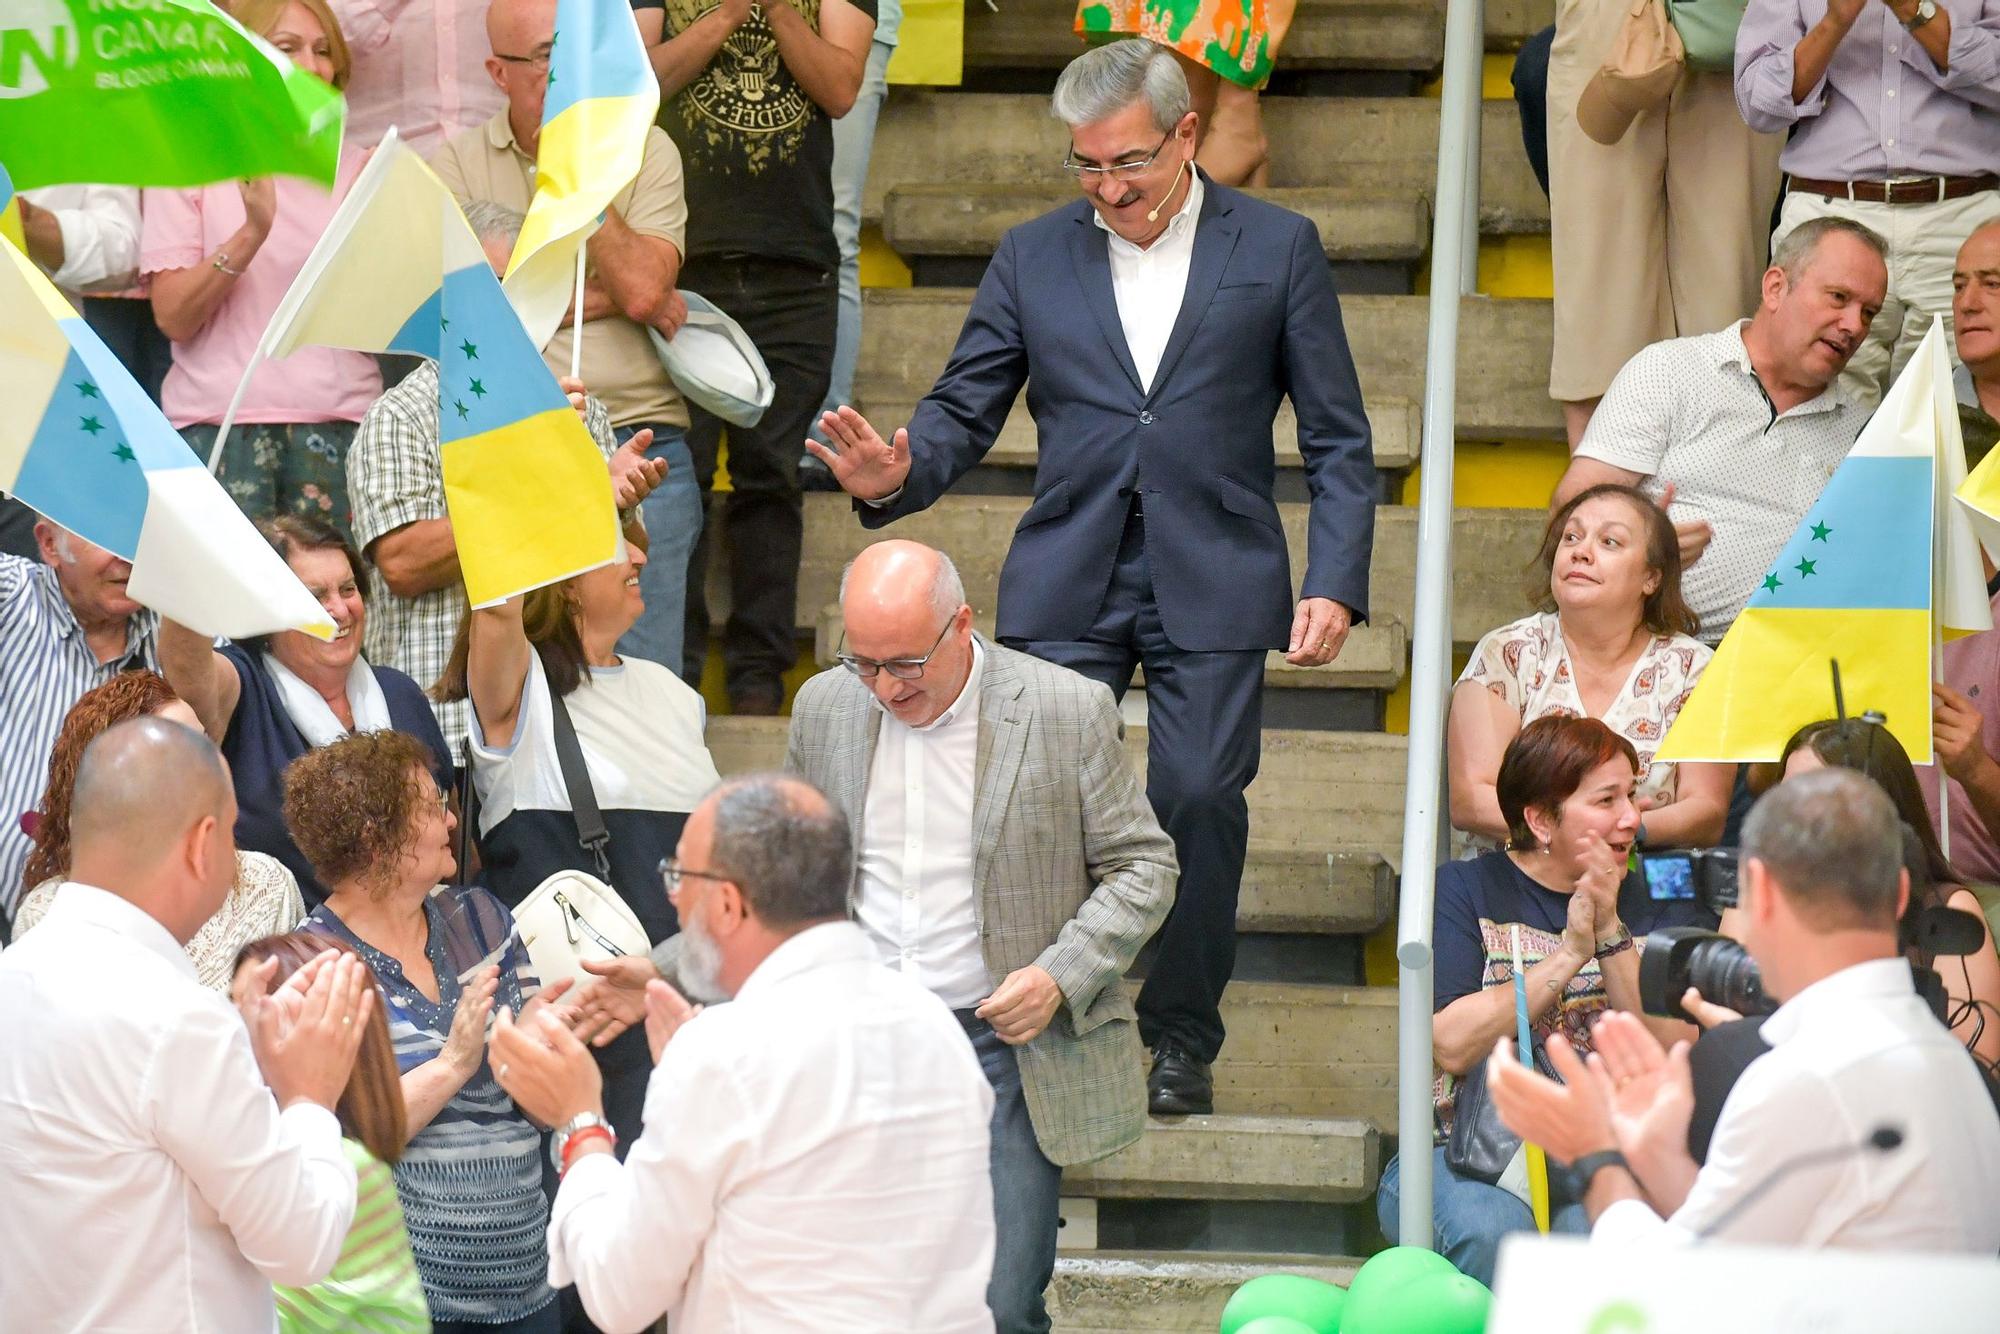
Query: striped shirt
x,y
374,1284
46,665
471,1180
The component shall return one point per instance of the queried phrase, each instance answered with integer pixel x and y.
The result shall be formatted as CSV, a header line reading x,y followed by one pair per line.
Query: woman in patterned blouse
x,y
264,900
1611,640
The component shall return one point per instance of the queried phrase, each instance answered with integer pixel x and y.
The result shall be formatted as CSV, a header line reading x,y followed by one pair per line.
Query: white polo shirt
x,y
1691,412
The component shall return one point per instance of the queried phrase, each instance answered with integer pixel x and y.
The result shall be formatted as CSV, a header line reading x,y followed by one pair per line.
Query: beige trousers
x,y
1923,248
1659,235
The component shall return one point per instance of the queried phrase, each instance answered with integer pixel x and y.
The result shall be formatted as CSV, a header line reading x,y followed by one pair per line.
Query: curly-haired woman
x,y
367,814
263,901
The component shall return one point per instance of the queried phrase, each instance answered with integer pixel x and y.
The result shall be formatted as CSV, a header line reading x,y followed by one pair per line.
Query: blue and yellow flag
x,y
10,212
398,270
602,100
82,445
1882,569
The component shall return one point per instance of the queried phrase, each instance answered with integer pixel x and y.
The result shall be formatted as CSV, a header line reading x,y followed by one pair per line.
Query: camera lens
x,y
1725,974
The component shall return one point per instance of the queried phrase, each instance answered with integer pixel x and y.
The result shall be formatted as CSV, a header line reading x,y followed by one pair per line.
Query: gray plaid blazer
x,y
1073,872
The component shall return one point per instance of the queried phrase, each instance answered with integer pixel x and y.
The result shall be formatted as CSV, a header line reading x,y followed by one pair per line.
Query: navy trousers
x,y
1203,715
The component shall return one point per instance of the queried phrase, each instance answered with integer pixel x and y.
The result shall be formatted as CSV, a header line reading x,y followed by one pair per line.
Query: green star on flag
x,y
1819,532
470,349
1804,567
444,325
92,425
478,389
123,454
86,388
1772,583
463,411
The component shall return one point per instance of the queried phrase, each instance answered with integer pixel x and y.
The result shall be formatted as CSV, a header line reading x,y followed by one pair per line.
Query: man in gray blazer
x,y
1008,859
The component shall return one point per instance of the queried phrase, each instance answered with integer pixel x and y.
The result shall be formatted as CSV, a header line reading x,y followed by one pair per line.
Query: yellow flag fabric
x,y
1860,582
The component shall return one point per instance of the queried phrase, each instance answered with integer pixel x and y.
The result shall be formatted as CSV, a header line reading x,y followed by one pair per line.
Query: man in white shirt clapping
x,y
152,1180
814,1153
1892,1133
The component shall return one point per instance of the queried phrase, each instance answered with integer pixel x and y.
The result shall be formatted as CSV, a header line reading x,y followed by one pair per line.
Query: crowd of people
x,y
886,985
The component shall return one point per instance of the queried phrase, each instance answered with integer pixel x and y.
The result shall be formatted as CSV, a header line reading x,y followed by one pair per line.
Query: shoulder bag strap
x,y
590,830
468,814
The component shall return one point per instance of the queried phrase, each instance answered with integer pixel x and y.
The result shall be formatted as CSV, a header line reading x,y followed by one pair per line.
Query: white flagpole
x,y
229,417
576,320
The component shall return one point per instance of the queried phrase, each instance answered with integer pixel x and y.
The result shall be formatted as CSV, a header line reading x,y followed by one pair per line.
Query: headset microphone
x,y
1154,214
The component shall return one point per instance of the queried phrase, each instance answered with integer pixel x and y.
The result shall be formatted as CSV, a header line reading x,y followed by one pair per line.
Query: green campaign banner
x,y
154,92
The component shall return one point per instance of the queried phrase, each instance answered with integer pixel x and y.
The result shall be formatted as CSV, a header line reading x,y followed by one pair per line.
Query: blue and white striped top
x,y
45,666
471,1180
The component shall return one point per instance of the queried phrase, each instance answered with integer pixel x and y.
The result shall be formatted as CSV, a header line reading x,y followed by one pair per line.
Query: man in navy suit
x,y
1157,323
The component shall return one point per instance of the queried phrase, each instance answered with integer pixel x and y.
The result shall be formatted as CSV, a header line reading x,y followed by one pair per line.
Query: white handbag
x,y
573,916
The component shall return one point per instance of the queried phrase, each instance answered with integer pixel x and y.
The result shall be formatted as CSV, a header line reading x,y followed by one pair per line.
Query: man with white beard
x,y
815,1152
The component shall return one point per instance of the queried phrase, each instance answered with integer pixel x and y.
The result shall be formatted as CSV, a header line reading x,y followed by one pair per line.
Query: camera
x,y
1707,875
1679,957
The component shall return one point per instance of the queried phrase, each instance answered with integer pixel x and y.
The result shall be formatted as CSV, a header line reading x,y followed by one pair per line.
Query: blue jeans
x,y
1469,1217
853,137
673,523
1027,1188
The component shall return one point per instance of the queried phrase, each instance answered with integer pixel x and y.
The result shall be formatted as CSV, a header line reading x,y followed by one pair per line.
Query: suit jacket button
x,y
1145,419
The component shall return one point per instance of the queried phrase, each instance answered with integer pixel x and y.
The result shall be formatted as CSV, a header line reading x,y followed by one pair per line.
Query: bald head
x,y
517,27
901,602
902,574
140,788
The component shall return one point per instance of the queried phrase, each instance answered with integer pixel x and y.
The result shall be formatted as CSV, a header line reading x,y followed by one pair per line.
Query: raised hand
x,y
633,475
1603,872
466,1042
260,206
616,1000
866,466
1579,936
667,1012
309,1059
1650,1095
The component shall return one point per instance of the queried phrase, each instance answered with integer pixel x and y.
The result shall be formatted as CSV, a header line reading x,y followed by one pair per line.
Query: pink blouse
x,y
183,228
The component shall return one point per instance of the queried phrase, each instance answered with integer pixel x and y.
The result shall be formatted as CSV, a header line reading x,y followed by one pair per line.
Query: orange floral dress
x,y
1238,39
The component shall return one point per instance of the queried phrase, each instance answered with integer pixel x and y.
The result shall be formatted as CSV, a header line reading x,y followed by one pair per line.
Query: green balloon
x,y
1293,1297
1391,1269
1429,1303
1276,1324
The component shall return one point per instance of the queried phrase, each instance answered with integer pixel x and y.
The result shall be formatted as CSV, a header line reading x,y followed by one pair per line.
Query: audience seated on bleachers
x,y
1657,235
1562,889
264,898
220,259
1893,111
1613,640
1735,433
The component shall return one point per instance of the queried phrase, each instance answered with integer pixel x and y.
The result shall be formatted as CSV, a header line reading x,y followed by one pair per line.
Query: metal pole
x,y
1454,259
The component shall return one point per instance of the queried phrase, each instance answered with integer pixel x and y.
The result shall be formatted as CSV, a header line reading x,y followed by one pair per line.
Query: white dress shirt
x,y
1149,284
1850,1053
917,900
100,235
814,1160
149,1180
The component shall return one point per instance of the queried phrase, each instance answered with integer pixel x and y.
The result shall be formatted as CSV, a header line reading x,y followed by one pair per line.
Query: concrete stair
x,y
1297,1050
1114,1292
1225,1157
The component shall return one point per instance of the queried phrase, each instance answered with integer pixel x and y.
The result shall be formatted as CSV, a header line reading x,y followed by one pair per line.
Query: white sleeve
x,y
627,1234
1632,426
100,234
281,1183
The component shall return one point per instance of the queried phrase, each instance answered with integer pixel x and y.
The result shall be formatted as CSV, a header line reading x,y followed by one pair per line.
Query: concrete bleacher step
x,y
1298,1050
1325,35
1381,146
1491,550
1317,793
1354,225
1223,1157
907,335
1142,1292
1374,657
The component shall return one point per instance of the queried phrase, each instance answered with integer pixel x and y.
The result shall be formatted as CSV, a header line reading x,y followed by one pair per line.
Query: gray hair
x,y
493,222
946,593
1834,843
1802,243
1106,79
786,846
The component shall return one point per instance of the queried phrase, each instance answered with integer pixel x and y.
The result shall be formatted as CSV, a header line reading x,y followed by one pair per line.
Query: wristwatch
x,y
580,1124
1585,1169
1616,943
1926,11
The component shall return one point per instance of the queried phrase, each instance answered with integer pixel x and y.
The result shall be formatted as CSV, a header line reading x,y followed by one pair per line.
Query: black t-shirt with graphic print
x,y
757,152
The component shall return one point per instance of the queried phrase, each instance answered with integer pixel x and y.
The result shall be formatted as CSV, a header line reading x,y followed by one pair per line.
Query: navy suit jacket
x,y
1260,320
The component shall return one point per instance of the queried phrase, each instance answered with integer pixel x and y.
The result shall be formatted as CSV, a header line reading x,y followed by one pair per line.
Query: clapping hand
x,y
308,1056
466,1042
667,1012
1956,723
1603,873
633,475
616,1000
866,466
1694,534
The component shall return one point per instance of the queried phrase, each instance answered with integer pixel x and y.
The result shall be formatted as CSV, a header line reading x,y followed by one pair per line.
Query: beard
x,y
700,963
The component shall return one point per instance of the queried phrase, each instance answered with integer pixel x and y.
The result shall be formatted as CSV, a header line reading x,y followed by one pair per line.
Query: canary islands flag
x,y
10,212
602,99
398,270
1882,568
82,444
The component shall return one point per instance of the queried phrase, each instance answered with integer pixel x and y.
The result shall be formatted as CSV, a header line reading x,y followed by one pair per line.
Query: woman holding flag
x,y
220,259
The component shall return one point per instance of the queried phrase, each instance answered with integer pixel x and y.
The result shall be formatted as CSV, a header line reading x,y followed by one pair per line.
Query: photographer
x,y
1565,789
1888,1132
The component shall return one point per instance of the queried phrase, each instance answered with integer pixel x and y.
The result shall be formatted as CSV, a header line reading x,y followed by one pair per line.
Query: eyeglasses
x,y
903,669
1117,171
672,873
538,62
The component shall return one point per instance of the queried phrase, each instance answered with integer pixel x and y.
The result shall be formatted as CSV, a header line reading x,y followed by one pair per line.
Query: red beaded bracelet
x,y
580,1137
